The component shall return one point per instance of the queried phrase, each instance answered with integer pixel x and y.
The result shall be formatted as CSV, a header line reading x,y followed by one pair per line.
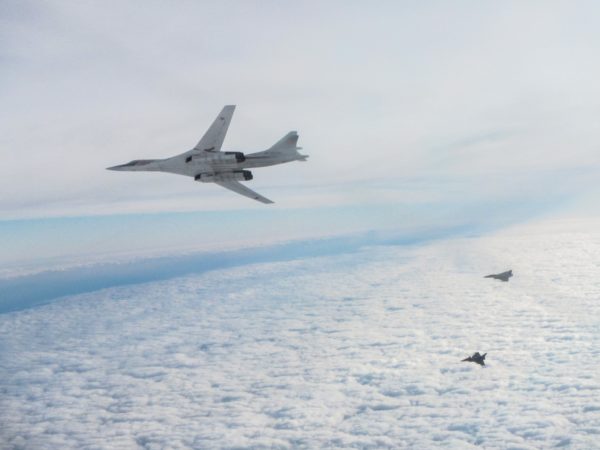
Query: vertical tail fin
x,y
288,142
287,145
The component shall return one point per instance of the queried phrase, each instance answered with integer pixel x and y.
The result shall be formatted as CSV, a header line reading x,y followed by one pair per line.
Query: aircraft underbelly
x,y
193,168
249,163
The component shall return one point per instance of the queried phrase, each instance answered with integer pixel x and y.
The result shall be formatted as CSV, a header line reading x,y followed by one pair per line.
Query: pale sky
x,y
434,113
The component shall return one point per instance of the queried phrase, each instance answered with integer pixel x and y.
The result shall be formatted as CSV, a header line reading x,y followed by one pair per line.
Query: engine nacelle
x,y
239,156
218,158
236,175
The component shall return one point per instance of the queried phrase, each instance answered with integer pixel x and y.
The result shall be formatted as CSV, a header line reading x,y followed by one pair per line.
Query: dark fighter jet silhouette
x,y
504,276
477,358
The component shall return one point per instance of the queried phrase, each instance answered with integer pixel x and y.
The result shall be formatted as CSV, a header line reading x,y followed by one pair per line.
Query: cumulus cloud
x,y
356,350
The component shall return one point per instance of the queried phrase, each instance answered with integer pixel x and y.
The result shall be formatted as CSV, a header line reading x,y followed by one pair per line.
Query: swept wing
x,y
243,190
212,141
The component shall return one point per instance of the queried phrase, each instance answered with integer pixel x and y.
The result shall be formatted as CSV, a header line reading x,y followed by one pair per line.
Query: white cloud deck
x,y
355,350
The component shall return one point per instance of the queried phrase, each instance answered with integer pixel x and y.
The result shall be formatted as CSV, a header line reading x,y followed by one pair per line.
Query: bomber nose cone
x,y
120,167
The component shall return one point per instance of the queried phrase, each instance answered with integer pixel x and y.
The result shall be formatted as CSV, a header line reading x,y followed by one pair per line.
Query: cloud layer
x,y
357,350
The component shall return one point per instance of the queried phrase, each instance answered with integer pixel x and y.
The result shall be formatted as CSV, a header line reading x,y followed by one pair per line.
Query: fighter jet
x,y
206,162
476,358
504,276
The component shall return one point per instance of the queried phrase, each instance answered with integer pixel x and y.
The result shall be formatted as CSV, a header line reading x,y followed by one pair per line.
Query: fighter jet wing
x,y
504,276
243,190
213,138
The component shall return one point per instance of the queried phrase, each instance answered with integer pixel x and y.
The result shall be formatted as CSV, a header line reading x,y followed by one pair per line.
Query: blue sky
x,y
414,114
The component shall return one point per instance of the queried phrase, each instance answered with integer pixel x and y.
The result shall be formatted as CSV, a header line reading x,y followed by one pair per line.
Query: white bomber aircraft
x,y
208,164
